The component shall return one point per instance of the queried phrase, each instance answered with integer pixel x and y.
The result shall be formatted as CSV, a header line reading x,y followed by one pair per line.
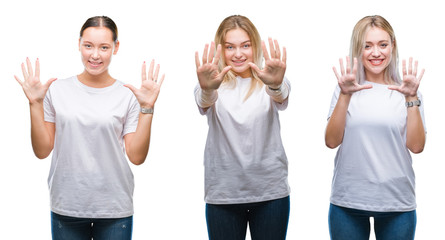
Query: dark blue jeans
x,y
71,228
348,223
267,220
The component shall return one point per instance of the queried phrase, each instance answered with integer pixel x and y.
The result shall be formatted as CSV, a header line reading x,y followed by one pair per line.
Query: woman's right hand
x,y
208,73
34,90
348,79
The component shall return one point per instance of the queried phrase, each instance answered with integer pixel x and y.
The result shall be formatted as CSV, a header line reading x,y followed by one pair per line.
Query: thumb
x,y
393,87
49,82
254,67
225,70
131,87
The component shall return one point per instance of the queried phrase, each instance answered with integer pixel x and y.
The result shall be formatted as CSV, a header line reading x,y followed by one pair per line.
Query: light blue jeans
x,y
71,228
348,223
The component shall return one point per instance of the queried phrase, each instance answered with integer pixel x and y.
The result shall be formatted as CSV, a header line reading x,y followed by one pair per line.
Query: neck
x,y
376,78
97,81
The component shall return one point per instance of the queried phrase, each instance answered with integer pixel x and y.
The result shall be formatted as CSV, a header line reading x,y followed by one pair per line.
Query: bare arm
x,y
42,133
138,143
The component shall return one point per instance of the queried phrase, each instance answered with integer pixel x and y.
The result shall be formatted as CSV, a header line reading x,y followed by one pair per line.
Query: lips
x,y
239,62
376,62
94,64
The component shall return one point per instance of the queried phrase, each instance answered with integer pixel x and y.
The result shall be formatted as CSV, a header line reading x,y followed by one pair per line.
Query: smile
x,y
376,62
239,62
95,64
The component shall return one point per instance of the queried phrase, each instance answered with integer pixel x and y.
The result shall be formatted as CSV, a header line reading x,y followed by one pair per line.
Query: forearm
x,y
41,138
279,94
415,132
140,142
337,122
206,98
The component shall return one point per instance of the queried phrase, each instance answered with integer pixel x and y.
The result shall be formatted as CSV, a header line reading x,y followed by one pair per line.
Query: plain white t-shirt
x,y
373,167
244,157
90,176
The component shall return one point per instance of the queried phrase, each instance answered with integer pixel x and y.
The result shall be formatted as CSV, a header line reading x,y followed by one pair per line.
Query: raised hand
x,y
348,79
208,73
150,86
34,90
275,66
410,82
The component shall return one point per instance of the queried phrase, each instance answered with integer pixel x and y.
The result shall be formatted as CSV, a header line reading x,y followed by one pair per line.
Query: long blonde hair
x,y
391,73
241,22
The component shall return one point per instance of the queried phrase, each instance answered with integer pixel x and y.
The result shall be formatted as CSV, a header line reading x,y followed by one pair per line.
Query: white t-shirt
x,y
244,157
373,167
90,176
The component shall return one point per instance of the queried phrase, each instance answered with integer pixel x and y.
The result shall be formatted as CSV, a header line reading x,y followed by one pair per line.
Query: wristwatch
x,y
413,103
147,110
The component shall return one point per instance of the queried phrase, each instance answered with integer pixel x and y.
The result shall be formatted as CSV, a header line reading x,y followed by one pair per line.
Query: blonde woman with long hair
x,y
376,117
245,162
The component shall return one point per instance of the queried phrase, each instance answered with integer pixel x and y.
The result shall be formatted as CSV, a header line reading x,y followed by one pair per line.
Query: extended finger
x,y
212,52
421,75
404,67
161,80
342,68
284,55
265,53
254,67
224,71
416,63
150,69
18,80
37,68
28,63
410,66
271,48
354,68
336,73
348,65
204,55
144,71
25,73
277,49
156,73
197,60
218,54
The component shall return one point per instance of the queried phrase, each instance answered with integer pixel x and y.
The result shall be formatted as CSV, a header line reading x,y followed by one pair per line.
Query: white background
x,y
169,185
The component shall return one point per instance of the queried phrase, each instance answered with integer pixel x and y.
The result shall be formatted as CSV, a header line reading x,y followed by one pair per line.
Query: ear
x,y
116,47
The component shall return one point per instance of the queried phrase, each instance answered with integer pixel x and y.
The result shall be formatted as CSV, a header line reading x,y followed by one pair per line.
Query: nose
x,y
375,51
238,53
95,53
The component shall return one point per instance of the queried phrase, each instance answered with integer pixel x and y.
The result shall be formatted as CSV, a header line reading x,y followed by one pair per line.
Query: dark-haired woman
x,y
90,121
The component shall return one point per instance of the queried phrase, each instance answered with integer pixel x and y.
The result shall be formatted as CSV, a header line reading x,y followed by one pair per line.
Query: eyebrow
x,y
234,44
378,41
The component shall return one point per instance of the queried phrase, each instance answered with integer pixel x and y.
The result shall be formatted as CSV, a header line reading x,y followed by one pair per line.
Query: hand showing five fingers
x,y
208,73
275,66
410,82
348,79
34,90
150,86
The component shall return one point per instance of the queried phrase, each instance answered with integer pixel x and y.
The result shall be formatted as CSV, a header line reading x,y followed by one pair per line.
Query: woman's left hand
x,y
150,87
410,82
275,66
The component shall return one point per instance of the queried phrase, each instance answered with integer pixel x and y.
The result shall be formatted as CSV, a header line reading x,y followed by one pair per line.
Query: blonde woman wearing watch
x,y
376,120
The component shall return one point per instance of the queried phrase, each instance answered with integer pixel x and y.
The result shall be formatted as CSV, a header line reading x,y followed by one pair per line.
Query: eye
x,y
104,48
87,45
383,45
367,47
247,45
229,47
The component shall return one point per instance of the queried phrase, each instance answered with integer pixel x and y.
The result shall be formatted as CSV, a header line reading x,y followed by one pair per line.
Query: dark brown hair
x,y
100,21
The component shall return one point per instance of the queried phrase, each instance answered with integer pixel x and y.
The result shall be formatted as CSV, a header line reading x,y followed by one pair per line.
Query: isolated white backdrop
x,y
169,185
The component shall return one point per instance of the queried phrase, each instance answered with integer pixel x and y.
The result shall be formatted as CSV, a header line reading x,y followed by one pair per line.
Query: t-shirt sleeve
x,y
197,92
334,101
48,109
131,122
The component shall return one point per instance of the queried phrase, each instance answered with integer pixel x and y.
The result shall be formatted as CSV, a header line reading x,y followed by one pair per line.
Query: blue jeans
x,y
348,223
267,220
72,228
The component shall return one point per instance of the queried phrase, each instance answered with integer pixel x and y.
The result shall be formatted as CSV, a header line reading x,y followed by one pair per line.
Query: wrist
x,y
274,87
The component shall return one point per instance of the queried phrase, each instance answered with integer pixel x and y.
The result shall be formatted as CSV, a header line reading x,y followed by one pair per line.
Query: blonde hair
x,y
241,22
391,74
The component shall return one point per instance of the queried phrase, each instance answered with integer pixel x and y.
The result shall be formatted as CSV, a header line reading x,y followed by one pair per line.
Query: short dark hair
x,y
100,21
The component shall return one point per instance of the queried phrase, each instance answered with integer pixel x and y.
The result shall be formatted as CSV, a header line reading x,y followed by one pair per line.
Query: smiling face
x,y
96,46
238,52
377,54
